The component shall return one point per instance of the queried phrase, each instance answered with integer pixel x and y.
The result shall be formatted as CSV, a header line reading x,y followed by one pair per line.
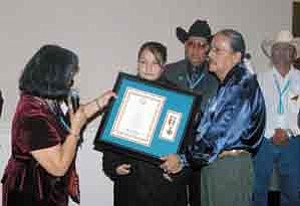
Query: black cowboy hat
x,y
199,28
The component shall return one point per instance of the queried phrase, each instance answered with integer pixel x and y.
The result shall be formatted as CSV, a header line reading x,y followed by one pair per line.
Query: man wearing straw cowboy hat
x,y
191,73
280,148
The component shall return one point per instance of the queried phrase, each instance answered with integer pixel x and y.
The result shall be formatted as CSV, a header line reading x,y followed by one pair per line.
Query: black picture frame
x,y
147,120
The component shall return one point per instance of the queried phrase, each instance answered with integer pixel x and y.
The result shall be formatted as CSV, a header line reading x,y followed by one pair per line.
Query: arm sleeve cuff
x,y
183,160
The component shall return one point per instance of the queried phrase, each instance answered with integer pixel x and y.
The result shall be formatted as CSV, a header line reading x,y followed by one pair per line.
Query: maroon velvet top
x,y
35,127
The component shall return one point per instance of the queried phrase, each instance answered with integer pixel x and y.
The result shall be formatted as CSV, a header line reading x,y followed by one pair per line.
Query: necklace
x,y
192,84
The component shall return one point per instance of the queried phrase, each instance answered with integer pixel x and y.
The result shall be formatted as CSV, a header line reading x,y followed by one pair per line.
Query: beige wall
x,y
106,35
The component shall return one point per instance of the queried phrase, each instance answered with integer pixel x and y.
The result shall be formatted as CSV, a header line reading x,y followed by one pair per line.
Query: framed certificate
x,y
147,120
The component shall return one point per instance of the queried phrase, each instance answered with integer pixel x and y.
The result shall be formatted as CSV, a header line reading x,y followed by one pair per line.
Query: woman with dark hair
x,y
41,170
137,182
230,130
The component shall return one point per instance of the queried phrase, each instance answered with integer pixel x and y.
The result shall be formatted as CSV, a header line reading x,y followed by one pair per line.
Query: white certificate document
x,y
137,116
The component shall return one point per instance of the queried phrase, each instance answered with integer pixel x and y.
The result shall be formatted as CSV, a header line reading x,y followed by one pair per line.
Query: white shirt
x,y
286,116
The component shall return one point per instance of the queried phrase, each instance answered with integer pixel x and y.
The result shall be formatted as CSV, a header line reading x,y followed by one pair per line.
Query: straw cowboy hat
x,y
199,28
282,37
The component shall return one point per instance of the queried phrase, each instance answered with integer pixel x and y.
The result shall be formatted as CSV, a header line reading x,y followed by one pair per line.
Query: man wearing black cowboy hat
x,y
191,73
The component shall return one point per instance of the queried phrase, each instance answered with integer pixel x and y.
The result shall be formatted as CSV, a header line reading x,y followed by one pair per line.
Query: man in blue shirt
x,y
231,129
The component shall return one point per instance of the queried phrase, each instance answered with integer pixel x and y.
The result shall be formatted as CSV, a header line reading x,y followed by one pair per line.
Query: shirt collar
x,y
278,75
199,68
231,74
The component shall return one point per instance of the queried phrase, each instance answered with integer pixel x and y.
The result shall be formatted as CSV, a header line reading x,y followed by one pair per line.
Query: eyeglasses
x,y
196,44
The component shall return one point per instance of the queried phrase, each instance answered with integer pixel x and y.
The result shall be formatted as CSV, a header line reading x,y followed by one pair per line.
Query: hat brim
x,y
181,34
267,44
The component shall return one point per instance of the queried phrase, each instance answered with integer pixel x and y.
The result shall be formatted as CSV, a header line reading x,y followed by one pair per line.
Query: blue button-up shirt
x,y
233,119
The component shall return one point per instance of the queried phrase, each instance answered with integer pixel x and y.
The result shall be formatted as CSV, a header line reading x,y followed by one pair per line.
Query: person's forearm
x,y
91,108
68,151
197,155
56,160
98,104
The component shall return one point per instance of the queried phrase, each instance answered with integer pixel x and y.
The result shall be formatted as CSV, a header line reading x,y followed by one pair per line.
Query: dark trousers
x,y
194,189
227,181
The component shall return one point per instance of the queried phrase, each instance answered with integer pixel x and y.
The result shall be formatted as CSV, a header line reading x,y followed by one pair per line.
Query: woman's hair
x,y
50,72
237,42
157,49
